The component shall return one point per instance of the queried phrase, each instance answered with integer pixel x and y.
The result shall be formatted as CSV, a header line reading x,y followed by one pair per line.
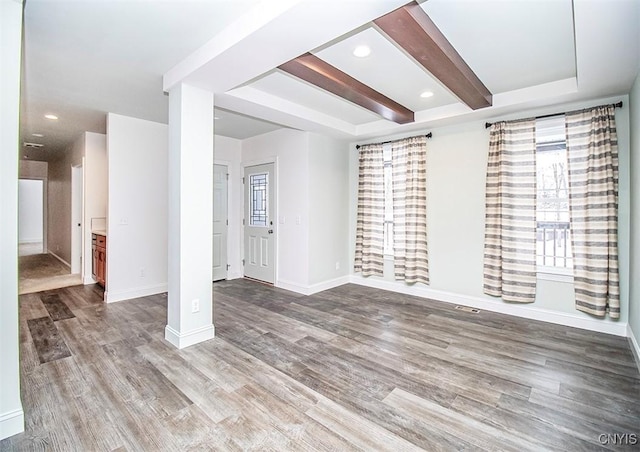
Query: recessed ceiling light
x,y
39,135
50,116
426,94
362,51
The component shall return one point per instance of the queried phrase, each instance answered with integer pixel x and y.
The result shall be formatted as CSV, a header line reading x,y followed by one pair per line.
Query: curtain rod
x,y
618,105
429,135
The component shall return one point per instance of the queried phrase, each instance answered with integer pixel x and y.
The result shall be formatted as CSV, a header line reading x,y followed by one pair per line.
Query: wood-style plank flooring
x,y
351,368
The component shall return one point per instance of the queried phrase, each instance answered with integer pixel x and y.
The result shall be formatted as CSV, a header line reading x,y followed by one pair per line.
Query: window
x,y
258,184
553,238
388,200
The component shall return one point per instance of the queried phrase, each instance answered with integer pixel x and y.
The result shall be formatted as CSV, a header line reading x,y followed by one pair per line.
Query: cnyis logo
x,y
618,439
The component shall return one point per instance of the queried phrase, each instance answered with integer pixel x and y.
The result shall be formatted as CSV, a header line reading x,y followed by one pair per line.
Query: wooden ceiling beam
x,y
412,29
313,70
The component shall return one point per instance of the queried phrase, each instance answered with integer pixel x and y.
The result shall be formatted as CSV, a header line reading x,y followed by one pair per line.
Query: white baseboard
x,y
293,287
29,241
11,423
330,284
111,296
59,258
635,347
525,311
234,275
314,288
186,339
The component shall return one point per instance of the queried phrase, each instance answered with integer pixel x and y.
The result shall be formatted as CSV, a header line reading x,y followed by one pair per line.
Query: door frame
x,y
245,165
77,185
229,166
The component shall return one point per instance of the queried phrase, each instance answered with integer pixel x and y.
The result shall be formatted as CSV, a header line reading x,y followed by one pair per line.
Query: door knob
x,y
270,231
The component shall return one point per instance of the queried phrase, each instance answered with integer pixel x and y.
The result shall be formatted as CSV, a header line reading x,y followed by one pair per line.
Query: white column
x,y
11,414
190,307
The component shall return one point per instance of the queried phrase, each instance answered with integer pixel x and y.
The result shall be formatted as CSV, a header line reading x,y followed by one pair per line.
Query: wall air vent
x,y
468,309
33,145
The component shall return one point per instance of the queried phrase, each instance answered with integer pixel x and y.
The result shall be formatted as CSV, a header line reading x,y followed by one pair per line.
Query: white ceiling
x,y
83,59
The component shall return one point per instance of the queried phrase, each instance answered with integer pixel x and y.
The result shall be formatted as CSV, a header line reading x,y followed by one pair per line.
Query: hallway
x,y
40,272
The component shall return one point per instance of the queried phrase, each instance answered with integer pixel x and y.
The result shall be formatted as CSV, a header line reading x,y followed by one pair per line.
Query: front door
x,y
220,223
259,236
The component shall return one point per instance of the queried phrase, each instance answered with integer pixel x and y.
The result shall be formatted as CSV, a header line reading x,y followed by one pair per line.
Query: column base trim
x,y
183,340
11,423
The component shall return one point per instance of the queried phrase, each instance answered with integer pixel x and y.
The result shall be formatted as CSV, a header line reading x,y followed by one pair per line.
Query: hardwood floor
x,y
351,368
39,272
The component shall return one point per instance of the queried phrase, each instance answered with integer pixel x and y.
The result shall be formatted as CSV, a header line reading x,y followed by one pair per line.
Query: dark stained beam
x,y
412,29
312,69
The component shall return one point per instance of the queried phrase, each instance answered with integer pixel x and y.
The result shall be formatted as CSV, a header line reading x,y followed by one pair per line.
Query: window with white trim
x,y
553,237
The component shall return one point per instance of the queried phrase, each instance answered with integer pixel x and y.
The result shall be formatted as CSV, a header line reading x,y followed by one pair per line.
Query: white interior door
x,y
76,219
220,222
259,236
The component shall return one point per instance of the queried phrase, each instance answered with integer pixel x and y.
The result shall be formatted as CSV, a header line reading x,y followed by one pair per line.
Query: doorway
x,y
259,228
39,268
31,224
77,177
220,221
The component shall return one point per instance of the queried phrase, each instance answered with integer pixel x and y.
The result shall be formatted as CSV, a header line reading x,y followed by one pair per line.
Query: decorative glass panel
x,y
258,184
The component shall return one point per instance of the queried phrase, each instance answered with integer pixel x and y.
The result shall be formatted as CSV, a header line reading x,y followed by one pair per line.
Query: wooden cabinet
x,y
99,258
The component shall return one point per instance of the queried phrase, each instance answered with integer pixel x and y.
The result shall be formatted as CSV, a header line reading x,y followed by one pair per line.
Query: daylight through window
x,y
553,239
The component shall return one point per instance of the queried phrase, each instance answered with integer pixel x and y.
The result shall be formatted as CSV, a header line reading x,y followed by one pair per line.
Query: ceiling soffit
x,y
409,28
312,69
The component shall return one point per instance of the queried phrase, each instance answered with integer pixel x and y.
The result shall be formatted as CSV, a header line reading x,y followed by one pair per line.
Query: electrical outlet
x,y
142,273
195,306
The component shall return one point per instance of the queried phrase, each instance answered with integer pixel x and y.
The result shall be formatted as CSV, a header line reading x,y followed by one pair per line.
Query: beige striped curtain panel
x,y
369,258
592,150
510,219
410,254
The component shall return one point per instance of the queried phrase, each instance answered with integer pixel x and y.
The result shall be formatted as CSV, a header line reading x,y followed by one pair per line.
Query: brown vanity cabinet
x,y
99,258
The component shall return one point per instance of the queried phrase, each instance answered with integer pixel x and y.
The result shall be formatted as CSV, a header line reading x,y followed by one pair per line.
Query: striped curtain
x,y
510,218
410,256
369,259
592,152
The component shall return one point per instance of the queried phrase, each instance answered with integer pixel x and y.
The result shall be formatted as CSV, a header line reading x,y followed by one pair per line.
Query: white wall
x,y
328,209
290,149
11,414
32,169
312,224
634,242
137,207
456,167
95,194
59,200
227,151
30,210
